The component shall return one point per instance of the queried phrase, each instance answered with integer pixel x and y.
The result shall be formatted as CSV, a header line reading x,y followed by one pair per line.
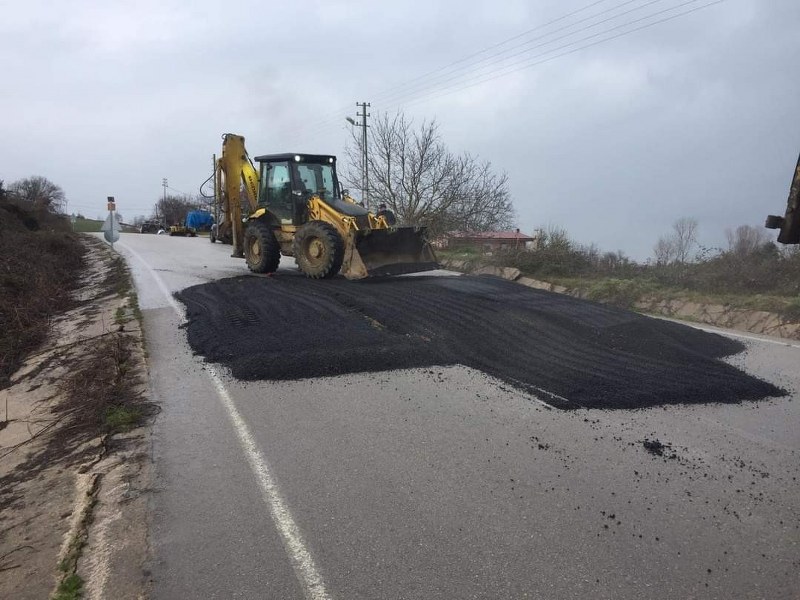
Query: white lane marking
x,y
728,332
302,562
541,391
159,282
746,337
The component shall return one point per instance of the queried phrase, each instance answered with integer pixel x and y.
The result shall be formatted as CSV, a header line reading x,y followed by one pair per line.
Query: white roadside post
x,y
111,227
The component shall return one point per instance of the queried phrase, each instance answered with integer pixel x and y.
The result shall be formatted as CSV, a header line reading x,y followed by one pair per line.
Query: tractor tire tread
x,y
334,246
270,255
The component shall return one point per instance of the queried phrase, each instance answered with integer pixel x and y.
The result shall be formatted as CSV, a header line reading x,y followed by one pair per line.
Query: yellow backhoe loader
x,y
293,204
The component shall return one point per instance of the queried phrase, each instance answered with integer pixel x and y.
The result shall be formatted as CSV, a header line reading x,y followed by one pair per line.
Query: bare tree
x,y
414,174
664,250
746,240
173,209
39,192
685,238
677,247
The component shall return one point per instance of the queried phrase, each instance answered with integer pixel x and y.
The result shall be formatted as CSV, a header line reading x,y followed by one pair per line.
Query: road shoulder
x,y
74,460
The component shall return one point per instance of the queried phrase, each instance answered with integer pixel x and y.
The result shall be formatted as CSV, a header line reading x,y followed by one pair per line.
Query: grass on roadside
x,y
118,280
121,418
70,588
625,293
86,225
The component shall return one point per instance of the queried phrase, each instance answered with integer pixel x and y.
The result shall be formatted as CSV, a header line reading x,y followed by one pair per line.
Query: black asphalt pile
x,y
569,352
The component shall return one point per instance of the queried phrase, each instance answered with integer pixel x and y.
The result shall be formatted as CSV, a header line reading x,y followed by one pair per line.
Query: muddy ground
x,y
569,352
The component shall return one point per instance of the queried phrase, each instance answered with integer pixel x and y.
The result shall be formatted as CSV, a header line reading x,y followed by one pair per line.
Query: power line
x,y
482,78
572,51
337,115
424,91
501,57
498,44
178,191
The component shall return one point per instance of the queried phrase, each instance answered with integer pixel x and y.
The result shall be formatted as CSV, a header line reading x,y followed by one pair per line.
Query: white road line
x,y
746,337
302,562
541,391
728,332
159,282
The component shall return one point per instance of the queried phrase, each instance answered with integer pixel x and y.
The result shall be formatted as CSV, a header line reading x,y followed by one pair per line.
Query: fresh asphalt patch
x,y
586,355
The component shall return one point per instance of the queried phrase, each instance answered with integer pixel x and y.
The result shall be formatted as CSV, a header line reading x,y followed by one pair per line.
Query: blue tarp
x,y
199,219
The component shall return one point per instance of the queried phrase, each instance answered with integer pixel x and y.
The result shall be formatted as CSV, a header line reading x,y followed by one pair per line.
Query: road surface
x,y
442,482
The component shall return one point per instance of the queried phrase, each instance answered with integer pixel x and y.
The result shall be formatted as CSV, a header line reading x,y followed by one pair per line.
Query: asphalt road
x,y
445,483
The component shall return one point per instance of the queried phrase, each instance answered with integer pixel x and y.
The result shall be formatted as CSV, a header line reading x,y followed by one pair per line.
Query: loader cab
x,y
287,181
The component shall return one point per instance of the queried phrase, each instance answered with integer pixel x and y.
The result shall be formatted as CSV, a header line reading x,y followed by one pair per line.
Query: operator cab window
x,y
278,188
316,178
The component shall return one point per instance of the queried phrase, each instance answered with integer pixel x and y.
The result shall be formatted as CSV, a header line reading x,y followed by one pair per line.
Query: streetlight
x,y
363,125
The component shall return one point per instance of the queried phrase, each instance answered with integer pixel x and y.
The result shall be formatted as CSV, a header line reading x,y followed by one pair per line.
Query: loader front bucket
x,y
381,252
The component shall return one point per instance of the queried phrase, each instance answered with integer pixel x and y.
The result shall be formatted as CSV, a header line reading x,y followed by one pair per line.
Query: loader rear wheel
x,y
318,249
261,250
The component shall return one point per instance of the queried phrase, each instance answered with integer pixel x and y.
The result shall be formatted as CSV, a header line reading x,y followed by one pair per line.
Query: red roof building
x,y
489,241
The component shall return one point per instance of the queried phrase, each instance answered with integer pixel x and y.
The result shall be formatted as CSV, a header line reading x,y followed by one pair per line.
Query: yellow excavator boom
x,y
234,171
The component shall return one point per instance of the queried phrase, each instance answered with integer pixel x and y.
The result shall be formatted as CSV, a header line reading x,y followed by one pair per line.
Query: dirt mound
x,y
584,354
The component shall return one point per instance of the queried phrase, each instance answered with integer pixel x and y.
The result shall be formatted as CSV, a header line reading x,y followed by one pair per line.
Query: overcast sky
x,y
695,117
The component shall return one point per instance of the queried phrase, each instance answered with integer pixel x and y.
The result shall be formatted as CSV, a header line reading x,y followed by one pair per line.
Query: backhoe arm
x,y
234,168
789,224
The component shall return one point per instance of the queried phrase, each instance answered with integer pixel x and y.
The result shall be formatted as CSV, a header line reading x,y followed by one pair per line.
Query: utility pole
x,y
364,161
164,184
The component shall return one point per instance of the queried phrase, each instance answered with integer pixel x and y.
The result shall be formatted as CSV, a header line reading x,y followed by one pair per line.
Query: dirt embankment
x,y
719,315
569,352
72,461
40,265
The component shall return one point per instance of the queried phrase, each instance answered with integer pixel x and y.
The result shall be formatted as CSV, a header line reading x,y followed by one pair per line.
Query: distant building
x,y
488,241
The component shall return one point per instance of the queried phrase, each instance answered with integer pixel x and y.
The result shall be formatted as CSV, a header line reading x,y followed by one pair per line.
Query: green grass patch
x,y
466,253
87,225
133,303
623,293
122,418
117,278
69,588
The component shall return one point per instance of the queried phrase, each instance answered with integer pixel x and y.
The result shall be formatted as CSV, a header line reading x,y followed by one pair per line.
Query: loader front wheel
x,y
318,249
261,250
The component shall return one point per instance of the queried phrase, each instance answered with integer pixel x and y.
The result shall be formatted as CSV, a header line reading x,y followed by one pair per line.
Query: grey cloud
x,y
696,117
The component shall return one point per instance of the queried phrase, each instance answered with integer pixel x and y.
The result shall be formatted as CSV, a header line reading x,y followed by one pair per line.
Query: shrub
x,y
40,267
623,293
